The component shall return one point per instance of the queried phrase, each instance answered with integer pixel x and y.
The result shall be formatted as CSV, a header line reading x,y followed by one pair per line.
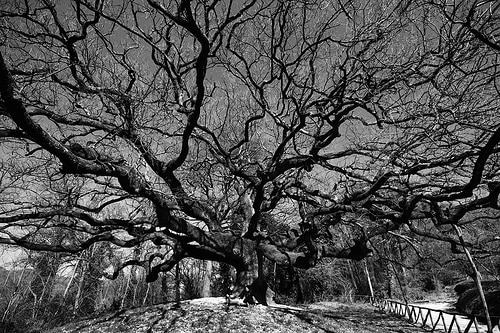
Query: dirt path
x,y
357,318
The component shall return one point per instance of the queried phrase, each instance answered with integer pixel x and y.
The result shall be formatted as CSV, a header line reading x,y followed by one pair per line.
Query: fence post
x,y
424,320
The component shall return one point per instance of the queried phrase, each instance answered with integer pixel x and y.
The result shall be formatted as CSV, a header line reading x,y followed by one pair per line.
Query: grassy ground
x,y
215,316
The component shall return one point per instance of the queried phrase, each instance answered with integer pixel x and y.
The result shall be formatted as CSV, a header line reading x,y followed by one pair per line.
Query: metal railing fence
x,y
433,320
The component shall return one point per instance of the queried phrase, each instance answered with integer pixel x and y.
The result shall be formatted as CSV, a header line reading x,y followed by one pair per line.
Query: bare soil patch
x,y
213,315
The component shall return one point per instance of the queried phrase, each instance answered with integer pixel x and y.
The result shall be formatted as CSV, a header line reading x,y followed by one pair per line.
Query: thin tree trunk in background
x,y
389,269
477,277
133,274
403,268
388,278
33,315
6,311
71,279
300,299
42,294
367,272
127,286
353,278
85,269
11,300
177,285
7,278
105,292
146,294
76,305
401,287
14,295
135,294
274,277
205,289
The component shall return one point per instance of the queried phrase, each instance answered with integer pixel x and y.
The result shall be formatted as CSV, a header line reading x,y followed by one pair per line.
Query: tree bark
x,y
250,283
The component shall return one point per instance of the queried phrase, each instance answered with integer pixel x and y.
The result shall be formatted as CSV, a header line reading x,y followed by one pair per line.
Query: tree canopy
x,y
235,131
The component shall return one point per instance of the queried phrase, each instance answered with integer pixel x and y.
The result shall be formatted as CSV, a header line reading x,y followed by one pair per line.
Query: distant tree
x,y
202,119
43,279
14,290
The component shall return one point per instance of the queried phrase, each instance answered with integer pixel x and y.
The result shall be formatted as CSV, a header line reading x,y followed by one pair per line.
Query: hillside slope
x,y
213,315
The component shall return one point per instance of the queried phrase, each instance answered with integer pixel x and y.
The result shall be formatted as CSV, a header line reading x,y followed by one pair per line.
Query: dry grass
x,y
213,315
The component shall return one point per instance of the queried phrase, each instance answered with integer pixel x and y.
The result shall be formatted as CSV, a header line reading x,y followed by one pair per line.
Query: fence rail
x,y
430,319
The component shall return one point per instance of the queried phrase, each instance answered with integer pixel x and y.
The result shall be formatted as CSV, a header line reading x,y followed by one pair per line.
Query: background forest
x,y
50,289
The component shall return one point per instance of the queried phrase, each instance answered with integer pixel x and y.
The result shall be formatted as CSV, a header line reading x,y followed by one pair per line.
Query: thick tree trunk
x,y
250,284
244,255
251,290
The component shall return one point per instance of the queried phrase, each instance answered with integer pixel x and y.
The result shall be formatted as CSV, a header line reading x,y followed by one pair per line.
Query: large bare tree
x,y
203,126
